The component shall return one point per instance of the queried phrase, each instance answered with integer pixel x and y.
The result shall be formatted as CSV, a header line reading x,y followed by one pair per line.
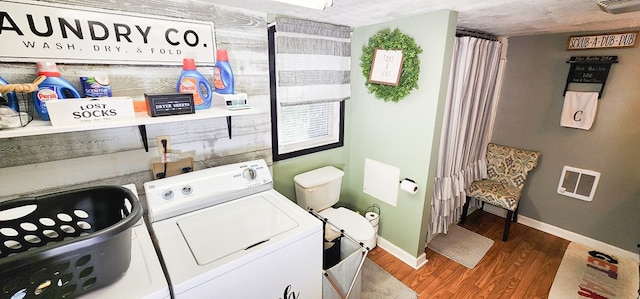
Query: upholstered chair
x,y
507,169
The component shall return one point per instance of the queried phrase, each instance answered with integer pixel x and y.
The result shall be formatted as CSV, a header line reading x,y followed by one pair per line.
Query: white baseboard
x,y
567,235
414,262
571,236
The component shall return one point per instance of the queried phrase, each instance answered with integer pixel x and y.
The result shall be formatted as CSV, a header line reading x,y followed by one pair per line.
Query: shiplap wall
x,y
48,163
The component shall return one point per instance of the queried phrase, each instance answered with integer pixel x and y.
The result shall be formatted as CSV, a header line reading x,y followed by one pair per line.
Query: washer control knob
x,y
168,194
187,190
249,173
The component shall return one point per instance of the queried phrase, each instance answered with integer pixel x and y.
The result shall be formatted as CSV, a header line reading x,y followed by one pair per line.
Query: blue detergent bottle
x,y
222,73
10,97
54,87
191,81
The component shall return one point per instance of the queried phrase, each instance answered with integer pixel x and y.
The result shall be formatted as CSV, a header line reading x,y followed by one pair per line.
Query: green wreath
x,y
392,40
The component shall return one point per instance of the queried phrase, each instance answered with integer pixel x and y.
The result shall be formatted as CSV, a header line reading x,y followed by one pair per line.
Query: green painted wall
x,y
404,135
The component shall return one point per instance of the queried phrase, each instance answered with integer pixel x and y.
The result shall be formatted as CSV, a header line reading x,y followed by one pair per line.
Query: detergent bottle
x,y
191,81
222,73
54,87
10,97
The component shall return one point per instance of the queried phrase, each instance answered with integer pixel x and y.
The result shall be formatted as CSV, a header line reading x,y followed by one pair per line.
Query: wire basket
x,y
16,104
66,244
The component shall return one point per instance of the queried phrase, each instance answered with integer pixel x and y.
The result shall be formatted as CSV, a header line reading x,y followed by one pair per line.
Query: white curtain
x,y
469,113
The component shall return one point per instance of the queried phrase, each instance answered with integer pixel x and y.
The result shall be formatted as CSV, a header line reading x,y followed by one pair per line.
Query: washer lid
x,y
351,222
232,227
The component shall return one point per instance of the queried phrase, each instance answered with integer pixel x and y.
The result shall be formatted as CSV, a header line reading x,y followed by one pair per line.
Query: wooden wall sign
x,y
386,67
614,40
36,30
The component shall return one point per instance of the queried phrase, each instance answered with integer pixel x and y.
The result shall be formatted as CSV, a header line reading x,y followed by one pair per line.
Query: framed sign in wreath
x,y
391,65
386,67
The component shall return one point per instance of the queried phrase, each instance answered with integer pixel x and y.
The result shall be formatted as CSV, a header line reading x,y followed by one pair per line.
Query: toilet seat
x,y
353,224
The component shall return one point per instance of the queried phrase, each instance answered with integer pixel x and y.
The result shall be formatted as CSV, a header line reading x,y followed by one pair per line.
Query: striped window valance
x,y
313,62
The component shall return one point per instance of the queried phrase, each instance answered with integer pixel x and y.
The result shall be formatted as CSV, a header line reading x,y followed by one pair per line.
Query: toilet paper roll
x,y
375,229
373,218
330,234
409,186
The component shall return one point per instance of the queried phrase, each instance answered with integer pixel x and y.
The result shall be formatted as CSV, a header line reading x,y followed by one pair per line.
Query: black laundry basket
x,y
331,255
66,244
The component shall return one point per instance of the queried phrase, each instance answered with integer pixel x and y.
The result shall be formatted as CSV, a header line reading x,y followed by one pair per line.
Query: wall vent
x,y
619,6
578,183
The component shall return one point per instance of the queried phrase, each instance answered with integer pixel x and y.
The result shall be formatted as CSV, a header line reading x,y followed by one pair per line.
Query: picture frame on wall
x,y
386,67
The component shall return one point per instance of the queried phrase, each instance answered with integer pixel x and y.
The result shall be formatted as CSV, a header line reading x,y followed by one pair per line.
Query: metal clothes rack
x,y
364,251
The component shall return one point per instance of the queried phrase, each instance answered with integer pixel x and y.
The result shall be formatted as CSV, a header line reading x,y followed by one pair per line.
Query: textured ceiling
x,y
499,17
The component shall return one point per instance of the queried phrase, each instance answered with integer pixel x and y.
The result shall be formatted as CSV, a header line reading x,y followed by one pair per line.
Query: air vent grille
x,y
578,183
619,6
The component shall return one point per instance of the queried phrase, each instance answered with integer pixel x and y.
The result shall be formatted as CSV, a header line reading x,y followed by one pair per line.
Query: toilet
x,y
319,189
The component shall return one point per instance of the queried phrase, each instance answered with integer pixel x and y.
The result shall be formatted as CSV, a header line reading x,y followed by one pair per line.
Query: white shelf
x,y
40,127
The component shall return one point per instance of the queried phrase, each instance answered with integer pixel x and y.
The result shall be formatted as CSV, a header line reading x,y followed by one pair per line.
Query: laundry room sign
x,y
32,31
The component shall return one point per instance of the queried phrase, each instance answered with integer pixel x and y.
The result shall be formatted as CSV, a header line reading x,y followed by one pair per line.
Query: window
x,y
309,82
304,129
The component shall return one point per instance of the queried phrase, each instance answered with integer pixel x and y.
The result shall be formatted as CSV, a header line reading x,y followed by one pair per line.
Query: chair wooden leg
x,y
515,215
465,209
507,224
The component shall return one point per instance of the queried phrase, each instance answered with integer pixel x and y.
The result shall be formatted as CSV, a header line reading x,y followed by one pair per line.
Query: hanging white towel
x,y
579,109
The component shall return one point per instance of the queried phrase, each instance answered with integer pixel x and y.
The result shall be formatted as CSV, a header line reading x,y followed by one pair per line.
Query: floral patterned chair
x,y
507,170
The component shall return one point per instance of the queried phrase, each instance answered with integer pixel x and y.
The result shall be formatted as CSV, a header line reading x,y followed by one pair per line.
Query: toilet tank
x,y
319,188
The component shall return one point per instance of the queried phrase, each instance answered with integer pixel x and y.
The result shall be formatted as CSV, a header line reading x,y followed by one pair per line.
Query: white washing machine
x,y
144,278
223,232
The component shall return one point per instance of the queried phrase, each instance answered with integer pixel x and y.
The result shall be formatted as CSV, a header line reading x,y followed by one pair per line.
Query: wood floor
x,y
522,267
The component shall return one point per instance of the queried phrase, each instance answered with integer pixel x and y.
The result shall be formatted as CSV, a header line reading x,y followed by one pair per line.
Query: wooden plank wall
x,y
48,163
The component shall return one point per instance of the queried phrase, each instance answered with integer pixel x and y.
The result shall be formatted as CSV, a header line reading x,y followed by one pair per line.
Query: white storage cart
x,y
343,257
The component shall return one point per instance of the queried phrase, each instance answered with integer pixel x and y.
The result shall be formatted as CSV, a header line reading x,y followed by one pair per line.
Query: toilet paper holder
x,y
373,209
409,185
373,216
